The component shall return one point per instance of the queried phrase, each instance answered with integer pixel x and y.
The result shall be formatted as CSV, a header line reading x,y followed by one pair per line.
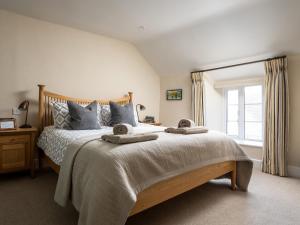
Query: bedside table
x,y
17,150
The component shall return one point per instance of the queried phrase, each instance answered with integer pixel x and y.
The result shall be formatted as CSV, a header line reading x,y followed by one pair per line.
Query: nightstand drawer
x,y
14,139
14,156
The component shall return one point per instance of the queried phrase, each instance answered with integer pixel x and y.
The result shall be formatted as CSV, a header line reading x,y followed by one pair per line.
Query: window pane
x,y
232,113
233,97
253,113
233,128
253,130
253,94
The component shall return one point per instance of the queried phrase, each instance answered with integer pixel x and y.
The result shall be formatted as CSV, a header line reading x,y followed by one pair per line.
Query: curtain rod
x,y
240,64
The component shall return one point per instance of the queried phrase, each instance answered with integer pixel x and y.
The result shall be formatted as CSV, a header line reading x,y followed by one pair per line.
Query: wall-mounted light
x,y
24,106
141,108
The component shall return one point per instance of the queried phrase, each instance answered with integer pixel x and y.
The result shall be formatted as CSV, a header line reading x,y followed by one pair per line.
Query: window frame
x,y
242,111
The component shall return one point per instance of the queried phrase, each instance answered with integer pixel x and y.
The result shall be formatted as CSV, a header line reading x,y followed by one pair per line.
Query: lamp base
x,y
25,126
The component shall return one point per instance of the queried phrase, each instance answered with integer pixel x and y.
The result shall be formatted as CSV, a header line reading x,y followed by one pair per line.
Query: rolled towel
x,y
122,128
129,138
186,123
187,130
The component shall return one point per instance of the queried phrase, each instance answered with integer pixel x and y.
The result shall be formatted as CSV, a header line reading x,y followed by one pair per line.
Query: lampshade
x,y
24,105
142,107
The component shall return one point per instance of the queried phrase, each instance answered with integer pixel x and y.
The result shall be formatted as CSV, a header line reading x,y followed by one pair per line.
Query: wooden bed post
x,y
41,105
130,96
233,177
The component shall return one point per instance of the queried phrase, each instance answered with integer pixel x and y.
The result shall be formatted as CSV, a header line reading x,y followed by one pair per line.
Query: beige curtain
x,y
276,117
198,98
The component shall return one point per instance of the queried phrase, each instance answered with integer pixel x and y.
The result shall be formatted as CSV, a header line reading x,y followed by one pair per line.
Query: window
x,y
244,112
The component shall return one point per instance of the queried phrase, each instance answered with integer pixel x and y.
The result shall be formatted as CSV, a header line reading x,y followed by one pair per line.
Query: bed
x,y
237,166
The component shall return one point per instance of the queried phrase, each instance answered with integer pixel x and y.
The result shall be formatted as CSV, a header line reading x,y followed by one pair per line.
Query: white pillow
x,y
136,117
105,115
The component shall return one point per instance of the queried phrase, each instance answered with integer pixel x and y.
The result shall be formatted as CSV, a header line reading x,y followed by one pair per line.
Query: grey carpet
x,y
270,200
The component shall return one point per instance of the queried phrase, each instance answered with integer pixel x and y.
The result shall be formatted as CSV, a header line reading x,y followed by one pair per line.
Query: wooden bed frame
x,y
156,193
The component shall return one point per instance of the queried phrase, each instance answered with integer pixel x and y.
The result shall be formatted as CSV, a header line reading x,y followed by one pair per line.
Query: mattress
x,y
54,142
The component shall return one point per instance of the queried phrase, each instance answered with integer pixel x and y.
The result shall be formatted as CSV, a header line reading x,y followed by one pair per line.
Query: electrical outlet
x,y
16,111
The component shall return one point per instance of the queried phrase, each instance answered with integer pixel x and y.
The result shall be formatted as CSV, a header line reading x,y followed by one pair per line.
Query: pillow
x,y
136,117
122,114
61,116
105,116
83,118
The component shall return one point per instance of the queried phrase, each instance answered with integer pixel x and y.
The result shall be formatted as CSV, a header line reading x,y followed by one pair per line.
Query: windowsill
x,y
258,144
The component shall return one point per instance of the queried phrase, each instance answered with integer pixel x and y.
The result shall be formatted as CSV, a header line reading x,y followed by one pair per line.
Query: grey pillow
x,y
122,114
83,118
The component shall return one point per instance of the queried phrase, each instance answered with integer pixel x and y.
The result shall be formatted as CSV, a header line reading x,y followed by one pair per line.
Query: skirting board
x,y
293,171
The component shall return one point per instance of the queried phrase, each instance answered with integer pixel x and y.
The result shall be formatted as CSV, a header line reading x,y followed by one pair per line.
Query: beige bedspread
x,y
104,179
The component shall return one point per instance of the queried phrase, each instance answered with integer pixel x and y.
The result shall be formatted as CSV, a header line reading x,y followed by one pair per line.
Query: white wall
x,y
172,111
294,131
70,62
214,104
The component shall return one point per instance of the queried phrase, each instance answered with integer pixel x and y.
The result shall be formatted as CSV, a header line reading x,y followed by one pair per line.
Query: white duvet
x,y
104,179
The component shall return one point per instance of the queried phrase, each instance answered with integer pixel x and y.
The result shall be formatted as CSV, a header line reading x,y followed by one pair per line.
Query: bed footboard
x,y
172,187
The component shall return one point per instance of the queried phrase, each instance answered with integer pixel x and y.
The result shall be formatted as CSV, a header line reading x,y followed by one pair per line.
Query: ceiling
x,y
180,36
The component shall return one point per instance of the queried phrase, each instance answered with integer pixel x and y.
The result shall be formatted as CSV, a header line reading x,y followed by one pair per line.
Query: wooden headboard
x,y
46,98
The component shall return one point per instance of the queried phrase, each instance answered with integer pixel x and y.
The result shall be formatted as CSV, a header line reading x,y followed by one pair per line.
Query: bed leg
x,y
233,177
41,156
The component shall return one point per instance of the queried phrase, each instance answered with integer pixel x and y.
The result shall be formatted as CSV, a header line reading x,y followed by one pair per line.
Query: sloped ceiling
x,y
181,36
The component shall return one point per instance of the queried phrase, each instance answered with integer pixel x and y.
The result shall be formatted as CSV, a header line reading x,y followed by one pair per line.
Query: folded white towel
x,y
187,130
122,128
129,138
186,123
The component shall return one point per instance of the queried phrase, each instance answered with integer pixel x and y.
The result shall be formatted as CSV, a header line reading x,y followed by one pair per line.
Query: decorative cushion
x,y
83,118
122,114
136,117
61,116
105,115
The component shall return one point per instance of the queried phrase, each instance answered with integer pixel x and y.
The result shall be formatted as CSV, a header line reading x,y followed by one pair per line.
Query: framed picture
x,y
7,124
149,119
175,94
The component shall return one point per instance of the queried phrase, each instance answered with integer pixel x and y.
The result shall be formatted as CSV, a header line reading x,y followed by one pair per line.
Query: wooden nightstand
x,y
17,150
